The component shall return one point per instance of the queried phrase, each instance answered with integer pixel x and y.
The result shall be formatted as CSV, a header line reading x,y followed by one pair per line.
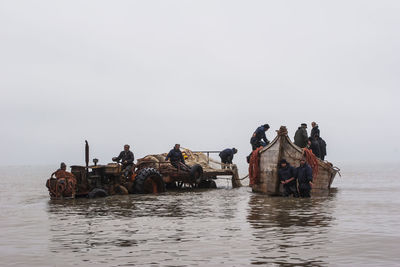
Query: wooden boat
x,y
281,147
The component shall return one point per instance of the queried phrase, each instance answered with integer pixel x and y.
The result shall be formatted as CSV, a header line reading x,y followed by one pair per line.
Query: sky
x,y
204,74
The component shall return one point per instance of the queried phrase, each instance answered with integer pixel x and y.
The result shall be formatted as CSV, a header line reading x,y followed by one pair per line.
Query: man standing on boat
x,y
258,136
301,136
314,146
226,156
314,130
322,146
304,178
126,157
287,176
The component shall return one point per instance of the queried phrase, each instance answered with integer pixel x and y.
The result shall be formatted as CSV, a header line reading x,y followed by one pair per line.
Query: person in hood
x,y
258,138
301,136
287,177
304,178
226,156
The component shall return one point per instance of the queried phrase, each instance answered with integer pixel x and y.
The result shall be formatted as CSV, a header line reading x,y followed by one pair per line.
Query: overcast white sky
x,y
201,73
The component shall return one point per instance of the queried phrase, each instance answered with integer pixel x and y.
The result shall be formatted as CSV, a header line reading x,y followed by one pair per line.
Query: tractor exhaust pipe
x,y
87,155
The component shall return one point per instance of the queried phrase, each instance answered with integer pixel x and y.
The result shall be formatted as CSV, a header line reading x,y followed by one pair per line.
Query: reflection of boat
x,y
281,147
290,231
267,212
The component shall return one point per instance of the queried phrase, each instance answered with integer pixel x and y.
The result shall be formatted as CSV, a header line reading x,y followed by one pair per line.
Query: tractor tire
x,y
97,192
149,181
196,173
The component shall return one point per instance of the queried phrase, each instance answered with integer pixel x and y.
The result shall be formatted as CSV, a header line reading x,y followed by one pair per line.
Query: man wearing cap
x,y
126,157
301,136
287,176
226,156
304,178
258,136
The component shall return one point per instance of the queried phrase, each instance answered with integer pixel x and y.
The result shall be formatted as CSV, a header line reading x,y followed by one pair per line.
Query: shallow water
x,y
356,224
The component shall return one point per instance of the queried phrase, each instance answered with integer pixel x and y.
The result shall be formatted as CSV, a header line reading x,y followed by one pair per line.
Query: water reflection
x,y
198,227
139,224
288,229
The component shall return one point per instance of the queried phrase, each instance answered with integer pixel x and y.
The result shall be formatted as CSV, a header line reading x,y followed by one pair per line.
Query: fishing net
x,y
64,185
254,166
311,159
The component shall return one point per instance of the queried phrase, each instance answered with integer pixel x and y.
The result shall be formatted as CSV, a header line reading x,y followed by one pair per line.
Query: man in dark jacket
x,y
314,146
226,156
287,176
126,157
322,146
258,136
314,130
176,157
304,178
301,136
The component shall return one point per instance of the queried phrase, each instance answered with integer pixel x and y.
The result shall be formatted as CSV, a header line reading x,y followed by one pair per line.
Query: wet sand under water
x,y
356,224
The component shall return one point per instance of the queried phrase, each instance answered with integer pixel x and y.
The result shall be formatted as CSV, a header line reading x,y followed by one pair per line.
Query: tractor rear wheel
x,y
149,181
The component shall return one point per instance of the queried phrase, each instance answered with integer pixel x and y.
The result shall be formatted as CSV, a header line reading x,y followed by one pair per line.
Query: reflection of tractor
x,y
152,174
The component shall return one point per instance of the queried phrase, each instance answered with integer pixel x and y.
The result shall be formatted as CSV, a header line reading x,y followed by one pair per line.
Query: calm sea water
x,y
357,224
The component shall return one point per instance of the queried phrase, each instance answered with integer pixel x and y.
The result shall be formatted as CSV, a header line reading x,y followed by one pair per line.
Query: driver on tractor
x,y
126,157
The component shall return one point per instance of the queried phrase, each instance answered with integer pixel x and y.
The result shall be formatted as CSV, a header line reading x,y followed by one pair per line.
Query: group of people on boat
x,y
313,142
301,139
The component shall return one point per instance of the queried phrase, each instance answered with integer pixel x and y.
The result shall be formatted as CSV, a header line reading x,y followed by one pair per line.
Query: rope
x,y
244,177
223,178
